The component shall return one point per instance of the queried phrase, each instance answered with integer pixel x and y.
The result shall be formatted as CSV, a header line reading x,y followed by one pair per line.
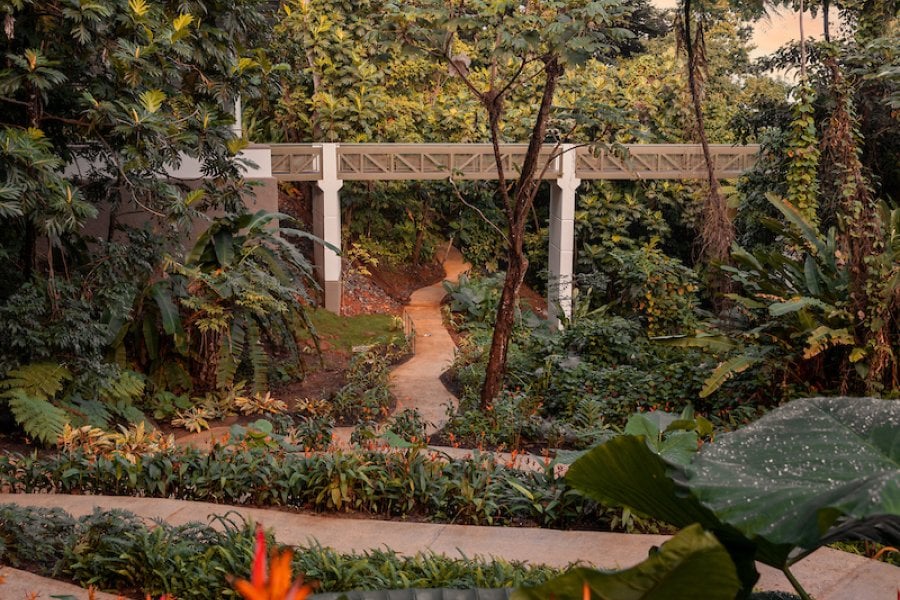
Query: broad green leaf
x,y
151,337
778,309
262,426
811,274
679,447
796,472
796,219
691,565
395,441
223,242
714,343
650,424
725,371
822,338
171,320
625,472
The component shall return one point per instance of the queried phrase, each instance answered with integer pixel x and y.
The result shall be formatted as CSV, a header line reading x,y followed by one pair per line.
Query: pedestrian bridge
x,y
564,167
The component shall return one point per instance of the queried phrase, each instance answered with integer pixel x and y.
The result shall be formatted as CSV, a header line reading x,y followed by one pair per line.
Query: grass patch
x,y
343,333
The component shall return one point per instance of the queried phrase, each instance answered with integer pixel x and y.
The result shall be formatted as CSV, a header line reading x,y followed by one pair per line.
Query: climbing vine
x,y
803,153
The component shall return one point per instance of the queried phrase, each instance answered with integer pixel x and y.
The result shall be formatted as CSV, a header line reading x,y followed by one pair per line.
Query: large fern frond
x,y
37,380
125,386
91,412
230,352
37,416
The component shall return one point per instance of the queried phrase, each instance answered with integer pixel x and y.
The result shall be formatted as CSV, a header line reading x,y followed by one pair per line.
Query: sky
x,y
772,33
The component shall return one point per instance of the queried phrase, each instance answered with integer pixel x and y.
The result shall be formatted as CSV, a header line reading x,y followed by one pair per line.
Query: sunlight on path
x,y
417,383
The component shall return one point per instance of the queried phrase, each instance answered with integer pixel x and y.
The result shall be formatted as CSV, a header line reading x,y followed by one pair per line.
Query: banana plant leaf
x,y
691,565
805,471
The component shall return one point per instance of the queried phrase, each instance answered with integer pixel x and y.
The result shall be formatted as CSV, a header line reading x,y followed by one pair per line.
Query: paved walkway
x,y
827,574
417,383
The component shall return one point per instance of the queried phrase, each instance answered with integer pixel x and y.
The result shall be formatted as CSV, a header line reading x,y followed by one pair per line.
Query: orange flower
x,y
276,584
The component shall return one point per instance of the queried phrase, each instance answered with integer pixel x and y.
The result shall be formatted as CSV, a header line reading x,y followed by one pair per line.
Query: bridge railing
x,y
404,162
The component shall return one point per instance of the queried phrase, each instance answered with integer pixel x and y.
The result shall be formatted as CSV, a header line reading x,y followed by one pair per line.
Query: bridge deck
x,y
399,162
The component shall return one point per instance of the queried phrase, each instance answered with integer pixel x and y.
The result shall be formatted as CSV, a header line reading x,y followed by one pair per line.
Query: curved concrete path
x,y
827,574
417,383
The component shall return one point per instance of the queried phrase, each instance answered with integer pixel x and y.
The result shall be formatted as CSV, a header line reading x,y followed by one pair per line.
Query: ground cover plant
x,y
411,482
115,550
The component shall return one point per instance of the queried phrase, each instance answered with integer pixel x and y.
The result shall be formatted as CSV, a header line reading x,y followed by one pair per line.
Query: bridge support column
x,y
562,238
327,226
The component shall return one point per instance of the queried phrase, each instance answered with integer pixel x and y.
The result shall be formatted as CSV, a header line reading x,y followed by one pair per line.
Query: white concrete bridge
x,y
328,166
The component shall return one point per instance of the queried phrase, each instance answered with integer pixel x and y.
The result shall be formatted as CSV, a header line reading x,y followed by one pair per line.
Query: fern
x,y
37,416
92,412
230,352
126,386
38,380
29,391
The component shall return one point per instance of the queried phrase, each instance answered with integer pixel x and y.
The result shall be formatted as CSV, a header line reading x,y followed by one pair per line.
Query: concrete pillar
x,y
562,238
327,226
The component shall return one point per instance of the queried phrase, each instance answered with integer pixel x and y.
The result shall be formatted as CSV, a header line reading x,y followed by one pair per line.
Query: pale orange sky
x,y
770,34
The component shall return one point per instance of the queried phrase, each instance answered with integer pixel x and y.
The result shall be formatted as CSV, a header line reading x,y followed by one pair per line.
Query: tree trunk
x,y
802,45
717,230
503,326
517,210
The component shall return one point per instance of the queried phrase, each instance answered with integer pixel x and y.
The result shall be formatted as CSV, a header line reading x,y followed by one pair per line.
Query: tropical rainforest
x,y
726,296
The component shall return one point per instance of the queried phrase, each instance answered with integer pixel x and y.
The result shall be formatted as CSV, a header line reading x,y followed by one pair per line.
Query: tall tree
x,y
717,230
496,48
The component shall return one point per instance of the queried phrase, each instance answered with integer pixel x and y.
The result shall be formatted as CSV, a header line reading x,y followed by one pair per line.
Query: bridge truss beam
x,y
329,165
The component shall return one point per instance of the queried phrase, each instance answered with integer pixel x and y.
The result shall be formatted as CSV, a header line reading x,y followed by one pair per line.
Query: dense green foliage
x,y
411,482
115,550
102,290
100,324
574,387
811,472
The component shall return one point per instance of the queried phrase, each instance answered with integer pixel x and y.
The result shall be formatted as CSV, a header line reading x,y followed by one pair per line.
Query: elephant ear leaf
x,y
691,565
806,472
625,472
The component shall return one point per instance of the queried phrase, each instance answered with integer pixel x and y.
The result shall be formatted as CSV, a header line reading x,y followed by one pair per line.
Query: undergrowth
x,y
115,550
409,483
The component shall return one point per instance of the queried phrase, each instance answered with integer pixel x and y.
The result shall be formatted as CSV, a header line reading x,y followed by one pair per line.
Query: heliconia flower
x,y
274,583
